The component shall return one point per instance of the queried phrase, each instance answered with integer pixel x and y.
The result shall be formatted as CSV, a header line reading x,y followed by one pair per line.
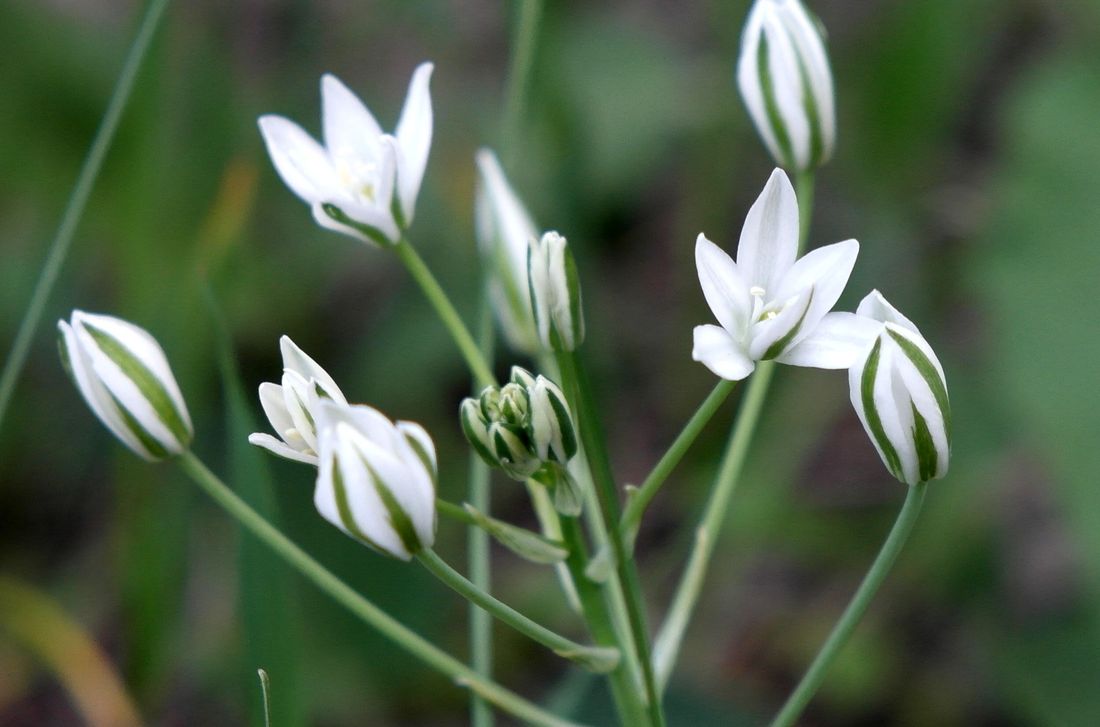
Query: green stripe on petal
x,y
771,104
566,433
930,374
874,423
152,445
344,508
373,233
927,456
424,457
399,519
576,310
813,114
150,387
779,346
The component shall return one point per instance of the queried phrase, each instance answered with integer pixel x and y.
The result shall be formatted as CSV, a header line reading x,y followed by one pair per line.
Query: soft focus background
x,y
968,166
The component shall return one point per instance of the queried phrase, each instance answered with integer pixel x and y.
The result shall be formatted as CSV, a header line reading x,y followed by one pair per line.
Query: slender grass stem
x,y
671,634
578,390
479,367
525,38
597,658
74,210
804,190
843,629
636,505
366,611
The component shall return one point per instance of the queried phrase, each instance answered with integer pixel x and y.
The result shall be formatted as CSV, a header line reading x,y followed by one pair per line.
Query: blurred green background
x,y
968,166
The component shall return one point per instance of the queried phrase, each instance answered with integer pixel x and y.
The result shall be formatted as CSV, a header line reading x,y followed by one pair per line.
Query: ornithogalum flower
x,y
376,479
770,305
361,182
784,77
292,407
555,291
899,391
124,377
504,230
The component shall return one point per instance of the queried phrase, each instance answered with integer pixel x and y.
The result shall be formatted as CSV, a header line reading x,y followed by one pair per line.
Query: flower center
x,y
357,176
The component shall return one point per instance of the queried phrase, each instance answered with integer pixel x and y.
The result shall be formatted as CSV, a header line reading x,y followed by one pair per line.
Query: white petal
x,y
274,405
297,360
716,349
769,238
302,163
837,342
784,328
414,136
350,129
875,306
419,435
723,287
826,270
366,420
296,395
786,76
280,448
748,80
808,41
411,486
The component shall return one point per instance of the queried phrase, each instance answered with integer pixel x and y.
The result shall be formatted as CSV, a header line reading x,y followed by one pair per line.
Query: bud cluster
x,y
521,426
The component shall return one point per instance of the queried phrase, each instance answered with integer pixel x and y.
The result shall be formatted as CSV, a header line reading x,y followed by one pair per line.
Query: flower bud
x,y
124,377
555,293
291,407
899,391
376,479
504,229
520,427
784,77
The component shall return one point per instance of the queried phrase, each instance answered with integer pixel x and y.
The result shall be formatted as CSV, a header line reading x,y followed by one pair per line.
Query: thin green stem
x,y
597,658
903,526
639,501
804,190
366,611
447,313
74,210
525,39
477,547
597,613
671,634
577,389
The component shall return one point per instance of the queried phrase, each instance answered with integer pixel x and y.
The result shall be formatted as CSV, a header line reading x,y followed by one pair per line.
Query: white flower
x,y
124,377
376,480
770,305
362,182
784,77
555,293
899,391
504,230
292,407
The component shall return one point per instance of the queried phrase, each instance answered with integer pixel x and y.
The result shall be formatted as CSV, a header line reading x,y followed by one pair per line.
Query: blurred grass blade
x,y
59,248
265,688
267,604
37,622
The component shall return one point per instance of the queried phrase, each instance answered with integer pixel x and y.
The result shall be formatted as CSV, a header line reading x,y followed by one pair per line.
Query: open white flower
x,y
504,229
784,77
361,182
292,407
899,391
770,305
376,480
123,375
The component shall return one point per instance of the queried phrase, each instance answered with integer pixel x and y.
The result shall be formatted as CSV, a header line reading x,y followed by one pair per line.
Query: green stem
x,y
578,390
477,548
858,606
78,199
366,611
804,190
639,501
671,634
597,613
596,658
519,74
447,313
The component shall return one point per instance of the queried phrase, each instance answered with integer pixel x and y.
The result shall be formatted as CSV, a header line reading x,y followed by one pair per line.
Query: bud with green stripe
x,y
899,391
555,293
124,377
784,77
377,479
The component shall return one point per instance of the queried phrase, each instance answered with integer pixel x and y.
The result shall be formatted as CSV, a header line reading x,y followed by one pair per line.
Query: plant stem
x,y
804,190
447,313
706,535
366,611
856,608
477,547
524,37
597,613
555,642
78,199
578,390
637,503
